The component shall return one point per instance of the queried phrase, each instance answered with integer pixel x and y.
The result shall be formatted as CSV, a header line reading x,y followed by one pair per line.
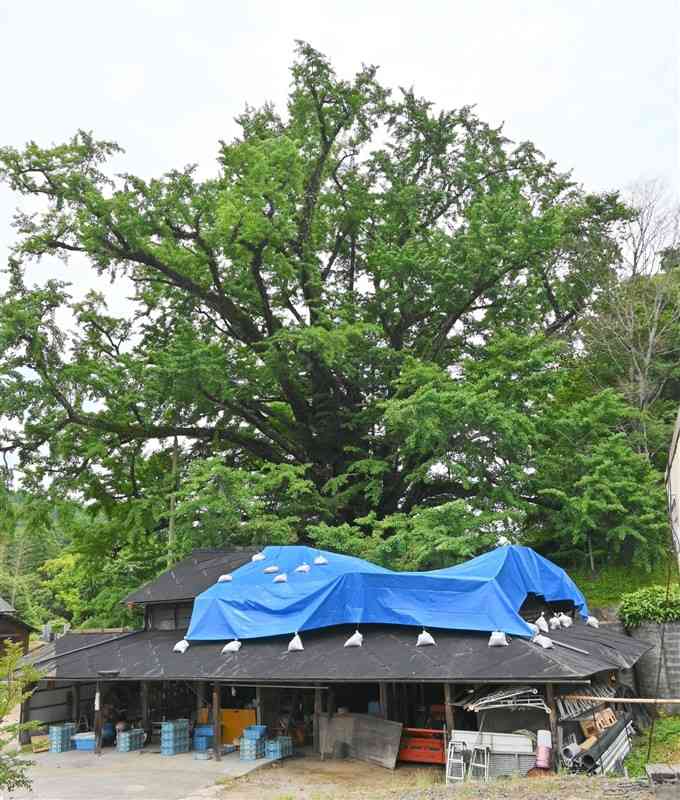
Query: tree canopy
x,y
364,330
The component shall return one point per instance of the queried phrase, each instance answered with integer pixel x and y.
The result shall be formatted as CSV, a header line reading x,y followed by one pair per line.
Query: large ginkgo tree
x,y
360,331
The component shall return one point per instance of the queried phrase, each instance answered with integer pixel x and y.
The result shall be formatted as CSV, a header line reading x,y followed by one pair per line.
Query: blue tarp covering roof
x,y
483,594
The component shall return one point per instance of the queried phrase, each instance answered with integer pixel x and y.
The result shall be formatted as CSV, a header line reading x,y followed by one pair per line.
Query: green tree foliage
x,y
15,687
651,604
360,331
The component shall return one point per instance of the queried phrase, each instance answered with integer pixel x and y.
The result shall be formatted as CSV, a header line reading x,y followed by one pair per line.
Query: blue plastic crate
x,y
60,737
202,743
255,732
251,749
204,730
84,741
128,741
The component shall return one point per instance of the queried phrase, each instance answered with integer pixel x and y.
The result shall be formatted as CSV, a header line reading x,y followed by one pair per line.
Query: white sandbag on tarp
x,y
181,647
544,641
258,557
320,560
304,567
232,647
565,620
355,640
282,578
554,622
295,644
498,639
542,624
425,639
224,579
594,622
271,569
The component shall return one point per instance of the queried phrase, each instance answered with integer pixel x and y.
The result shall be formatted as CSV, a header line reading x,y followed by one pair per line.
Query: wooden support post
x,y
24,716
217,721
258,705
449,691
200,697
330,701
382,686
550,701
144,704
98,719
317,716
75,702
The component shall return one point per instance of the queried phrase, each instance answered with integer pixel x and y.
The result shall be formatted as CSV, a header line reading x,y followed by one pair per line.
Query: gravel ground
x,y
311,779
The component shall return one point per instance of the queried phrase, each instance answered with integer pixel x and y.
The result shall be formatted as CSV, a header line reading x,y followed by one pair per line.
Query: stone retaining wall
x,y
647,667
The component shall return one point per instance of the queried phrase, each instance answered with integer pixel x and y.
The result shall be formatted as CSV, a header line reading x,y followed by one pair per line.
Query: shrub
x,y
650,605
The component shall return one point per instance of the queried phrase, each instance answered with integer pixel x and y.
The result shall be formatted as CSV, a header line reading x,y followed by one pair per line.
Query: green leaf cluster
x,y
651,604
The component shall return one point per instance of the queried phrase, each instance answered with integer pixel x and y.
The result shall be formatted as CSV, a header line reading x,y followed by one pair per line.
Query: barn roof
x,y
389,653
191,576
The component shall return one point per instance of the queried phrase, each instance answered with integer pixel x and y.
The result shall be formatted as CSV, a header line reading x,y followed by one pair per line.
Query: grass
x,y
665,746
604,589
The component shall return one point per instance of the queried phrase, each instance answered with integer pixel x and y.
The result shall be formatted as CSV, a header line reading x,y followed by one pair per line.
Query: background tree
x,y
633,332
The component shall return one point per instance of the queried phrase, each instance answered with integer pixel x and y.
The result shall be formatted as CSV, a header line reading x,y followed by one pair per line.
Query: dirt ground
x,y
311,779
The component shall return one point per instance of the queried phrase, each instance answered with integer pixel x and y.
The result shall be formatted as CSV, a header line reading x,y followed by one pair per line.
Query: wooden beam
x,y
98,719
550,701
217,721
449,693
660,701
331,701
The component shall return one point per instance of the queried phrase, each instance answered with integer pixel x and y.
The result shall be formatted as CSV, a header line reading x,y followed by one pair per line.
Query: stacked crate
x,y
203,738
273,749
252,744
127,741
60,737
286,743
174,737
281,747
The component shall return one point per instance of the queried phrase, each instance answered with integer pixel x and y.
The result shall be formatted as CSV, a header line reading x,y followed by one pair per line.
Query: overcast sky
x,y
593,84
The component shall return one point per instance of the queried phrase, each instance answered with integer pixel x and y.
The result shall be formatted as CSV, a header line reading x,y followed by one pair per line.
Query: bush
x,y
650,605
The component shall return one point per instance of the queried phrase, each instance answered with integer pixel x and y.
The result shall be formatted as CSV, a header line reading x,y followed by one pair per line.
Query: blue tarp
x,y
484,594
